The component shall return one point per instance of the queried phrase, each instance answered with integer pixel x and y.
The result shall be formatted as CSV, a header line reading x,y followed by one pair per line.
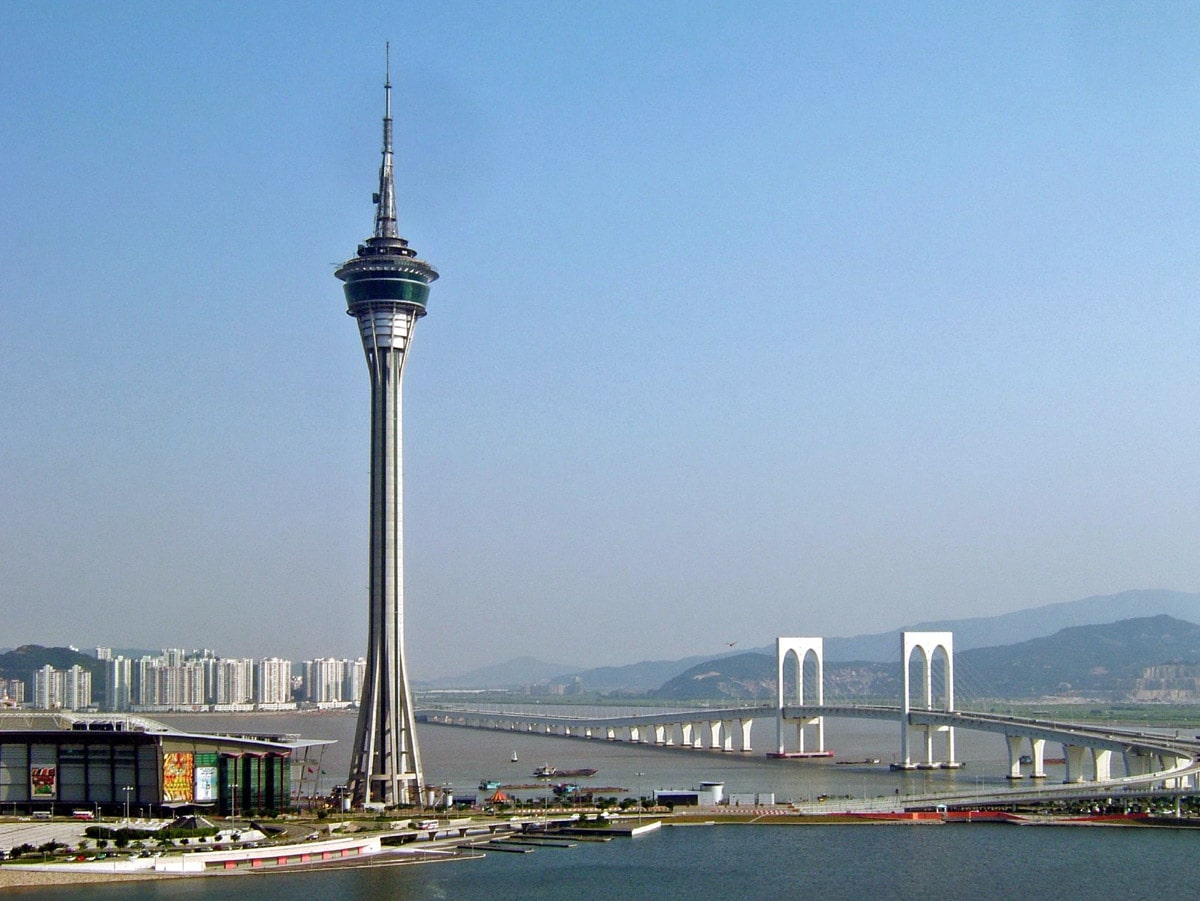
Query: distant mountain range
x,y
523,671
1022,625
879,647
1105,661
1093,659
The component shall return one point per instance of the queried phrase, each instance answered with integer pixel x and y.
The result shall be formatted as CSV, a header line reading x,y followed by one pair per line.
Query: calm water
x,y
464,757
763,861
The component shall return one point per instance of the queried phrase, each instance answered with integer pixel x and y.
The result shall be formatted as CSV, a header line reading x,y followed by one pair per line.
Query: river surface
x,y
462,758
930,861
757,862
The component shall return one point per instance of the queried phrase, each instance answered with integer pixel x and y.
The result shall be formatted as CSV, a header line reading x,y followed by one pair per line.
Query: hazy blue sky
x,y
754,319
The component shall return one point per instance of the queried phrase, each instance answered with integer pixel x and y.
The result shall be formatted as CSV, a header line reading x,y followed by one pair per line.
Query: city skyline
x,y
788,321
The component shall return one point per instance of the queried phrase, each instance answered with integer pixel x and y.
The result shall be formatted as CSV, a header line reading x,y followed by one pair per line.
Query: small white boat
x,y
514,757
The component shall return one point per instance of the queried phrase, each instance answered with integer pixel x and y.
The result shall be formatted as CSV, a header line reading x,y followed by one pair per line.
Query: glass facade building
x,y
59,762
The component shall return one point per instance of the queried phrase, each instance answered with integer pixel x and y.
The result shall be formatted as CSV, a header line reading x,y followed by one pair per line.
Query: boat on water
x,y
546,771
514,757
489,784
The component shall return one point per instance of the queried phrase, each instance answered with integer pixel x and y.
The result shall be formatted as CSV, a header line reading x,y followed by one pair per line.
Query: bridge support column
x,y
659,733
1102,764
727,736
714,735
929,762
1169,762
635,734
1014,743
1037,750
949,763
610,734
1074,757
745,743
685,733
1136,764
698,735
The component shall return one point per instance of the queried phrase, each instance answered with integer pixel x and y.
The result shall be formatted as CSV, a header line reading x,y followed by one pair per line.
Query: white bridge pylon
x,y
927,644
799,649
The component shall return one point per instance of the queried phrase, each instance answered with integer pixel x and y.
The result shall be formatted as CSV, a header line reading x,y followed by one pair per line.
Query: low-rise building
x,y
61,761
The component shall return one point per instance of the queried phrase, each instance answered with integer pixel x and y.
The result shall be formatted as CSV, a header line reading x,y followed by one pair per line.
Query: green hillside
x,y
1081,659
22,662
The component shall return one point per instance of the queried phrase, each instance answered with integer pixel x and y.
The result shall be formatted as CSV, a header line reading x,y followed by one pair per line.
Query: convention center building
x,y
65,763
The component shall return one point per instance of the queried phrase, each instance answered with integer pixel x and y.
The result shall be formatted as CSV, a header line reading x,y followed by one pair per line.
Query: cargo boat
x,y
546,771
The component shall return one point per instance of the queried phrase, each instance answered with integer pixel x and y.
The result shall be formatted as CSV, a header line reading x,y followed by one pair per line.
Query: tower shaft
x,y
386,766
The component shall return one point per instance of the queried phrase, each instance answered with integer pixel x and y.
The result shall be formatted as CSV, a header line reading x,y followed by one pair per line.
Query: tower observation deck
x,y
386,288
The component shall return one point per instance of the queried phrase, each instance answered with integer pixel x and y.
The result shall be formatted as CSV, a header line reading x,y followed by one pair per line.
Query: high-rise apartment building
x,y
274,687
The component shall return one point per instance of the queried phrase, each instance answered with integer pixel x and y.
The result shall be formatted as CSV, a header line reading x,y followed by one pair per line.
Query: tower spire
x,y
385,198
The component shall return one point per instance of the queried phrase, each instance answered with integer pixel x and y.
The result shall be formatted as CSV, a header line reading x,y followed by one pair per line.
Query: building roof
x,y
66,721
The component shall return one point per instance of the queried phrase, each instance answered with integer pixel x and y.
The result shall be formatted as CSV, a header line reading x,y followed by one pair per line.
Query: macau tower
x,y
386,289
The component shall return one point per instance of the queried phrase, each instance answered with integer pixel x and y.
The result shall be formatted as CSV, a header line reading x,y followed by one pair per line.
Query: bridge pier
x,y
1138,763
1073,754
1101,764
746,726
1037,747
1014,743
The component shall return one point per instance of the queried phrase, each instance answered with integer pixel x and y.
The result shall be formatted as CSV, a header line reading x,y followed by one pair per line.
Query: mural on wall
x,y
43,782
177,777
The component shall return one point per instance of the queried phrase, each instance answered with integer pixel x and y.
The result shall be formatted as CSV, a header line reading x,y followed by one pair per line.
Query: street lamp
x,y
128,789
638,785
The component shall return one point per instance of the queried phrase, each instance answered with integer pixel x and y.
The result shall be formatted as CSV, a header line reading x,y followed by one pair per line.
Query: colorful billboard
x,y
206,784
43,782
177,777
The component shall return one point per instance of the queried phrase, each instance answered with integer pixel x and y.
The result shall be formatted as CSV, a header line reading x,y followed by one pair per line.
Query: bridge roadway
x,y
1093,736
1152,759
